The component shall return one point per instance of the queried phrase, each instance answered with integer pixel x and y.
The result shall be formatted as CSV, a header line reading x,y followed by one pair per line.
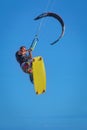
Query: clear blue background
x,y
64,105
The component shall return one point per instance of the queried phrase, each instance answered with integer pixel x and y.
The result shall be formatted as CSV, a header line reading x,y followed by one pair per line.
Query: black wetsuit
x,y
24,59
21,58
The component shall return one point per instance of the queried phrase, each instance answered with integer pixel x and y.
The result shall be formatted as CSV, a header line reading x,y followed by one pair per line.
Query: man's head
x,y
22,49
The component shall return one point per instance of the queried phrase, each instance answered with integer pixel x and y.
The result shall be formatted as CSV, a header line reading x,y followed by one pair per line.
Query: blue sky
x,y
64,105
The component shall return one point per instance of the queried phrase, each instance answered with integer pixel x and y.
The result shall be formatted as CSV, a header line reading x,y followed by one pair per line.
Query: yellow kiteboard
x,y
39,75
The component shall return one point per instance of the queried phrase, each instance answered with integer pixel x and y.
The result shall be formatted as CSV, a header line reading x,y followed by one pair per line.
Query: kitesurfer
x,y
24,57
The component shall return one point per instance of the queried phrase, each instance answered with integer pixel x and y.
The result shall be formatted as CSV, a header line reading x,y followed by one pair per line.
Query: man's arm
x,y
30,53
